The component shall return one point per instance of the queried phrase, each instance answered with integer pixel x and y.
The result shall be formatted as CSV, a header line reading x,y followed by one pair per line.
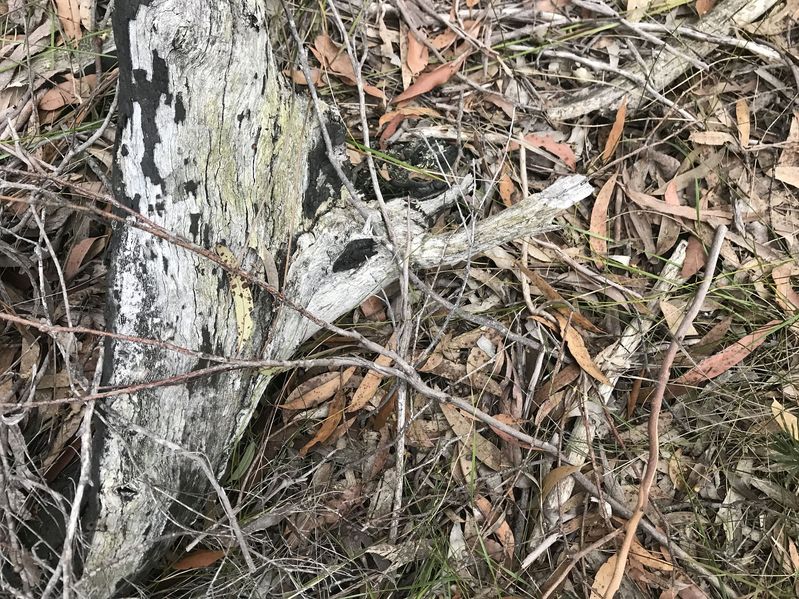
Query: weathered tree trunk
x,y
214,147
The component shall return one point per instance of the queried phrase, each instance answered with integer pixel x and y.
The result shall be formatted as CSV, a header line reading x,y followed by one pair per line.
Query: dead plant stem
x,y
655,406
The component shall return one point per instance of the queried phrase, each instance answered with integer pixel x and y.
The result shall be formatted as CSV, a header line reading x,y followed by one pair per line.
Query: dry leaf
x,y
557,300
70,91
787,298
716,334
69,17
744,121
603,578
202,558
79,253
338,63
455,372
793,552
432,79
554,476
368,387
563,377
711,138
555,400
403,36
647,558
417,56
512,422
403,553
691,591
298,77
508,107
615,131
502,531
711,367
673,316
485,451
787,174
787,421
579,352
635,393
695,257
506,188
373,309
390,129
441,41
243,303
547,397
330,424
687,212
669,229
548,143
704,6
408,111
599,220
790,154
317,390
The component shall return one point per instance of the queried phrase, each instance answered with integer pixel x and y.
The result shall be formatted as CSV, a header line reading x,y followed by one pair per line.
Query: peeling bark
x,y
214,147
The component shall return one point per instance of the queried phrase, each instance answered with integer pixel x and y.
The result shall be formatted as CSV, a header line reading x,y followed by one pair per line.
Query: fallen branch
x,y
662,68
655,406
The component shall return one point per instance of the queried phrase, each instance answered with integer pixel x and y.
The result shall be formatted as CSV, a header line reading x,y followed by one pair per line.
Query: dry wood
x,y
214,149
655,405
661,69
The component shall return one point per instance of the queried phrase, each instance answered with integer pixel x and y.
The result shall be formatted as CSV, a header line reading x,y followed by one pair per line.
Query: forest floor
x,y
660,315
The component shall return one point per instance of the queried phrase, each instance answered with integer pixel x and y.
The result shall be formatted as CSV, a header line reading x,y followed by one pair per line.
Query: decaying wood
x,y
662,68
214,147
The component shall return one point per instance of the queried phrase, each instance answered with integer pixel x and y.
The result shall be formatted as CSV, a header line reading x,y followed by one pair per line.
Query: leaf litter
x,y
490,84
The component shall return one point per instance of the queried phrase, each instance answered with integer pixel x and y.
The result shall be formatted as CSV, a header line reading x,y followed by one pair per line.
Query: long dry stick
x,y
657,402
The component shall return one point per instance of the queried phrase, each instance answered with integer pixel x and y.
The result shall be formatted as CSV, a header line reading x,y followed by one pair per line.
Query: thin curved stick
x,y
657,402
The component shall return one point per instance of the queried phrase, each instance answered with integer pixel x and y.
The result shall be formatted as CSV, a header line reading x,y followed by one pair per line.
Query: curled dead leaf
x,y
555,476
787,421
695,256
686,212
298,77
669,228
743,121
69,17
603,578
417,56
69,91
370,383
81,251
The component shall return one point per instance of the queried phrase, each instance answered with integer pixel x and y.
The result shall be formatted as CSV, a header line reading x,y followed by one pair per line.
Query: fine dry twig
x,y
655,406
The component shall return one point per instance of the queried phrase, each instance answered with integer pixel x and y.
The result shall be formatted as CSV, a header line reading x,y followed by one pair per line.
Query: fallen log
x,y
215,148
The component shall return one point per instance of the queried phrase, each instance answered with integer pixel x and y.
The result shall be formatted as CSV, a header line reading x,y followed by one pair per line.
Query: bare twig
x,y
563,572
84,480
655,406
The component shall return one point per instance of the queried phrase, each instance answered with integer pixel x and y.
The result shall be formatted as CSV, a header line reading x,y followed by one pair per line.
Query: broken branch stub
x,y
214,147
